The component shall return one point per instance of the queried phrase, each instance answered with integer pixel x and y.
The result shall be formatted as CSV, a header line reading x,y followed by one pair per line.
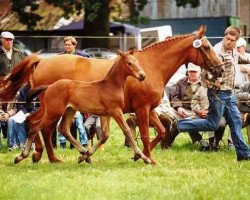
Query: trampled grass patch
x,y
182,172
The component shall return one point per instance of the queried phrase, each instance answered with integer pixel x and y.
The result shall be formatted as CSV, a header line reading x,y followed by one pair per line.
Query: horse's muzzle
x,y
141,76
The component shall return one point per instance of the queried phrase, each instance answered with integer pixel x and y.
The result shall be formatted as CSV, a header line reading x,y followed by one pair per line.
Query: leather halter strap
x,y
213,69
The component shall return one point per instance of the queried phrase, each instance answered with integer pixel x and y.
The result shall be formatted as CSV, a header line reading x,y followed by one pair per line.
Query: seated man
x,y
180,96
181,102
243,96
93,122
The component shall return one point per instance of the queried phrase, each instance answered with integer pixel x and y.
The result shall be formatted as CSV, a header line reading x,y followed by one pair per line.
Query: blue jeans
x,y
61,138
17,133
221,104
81,129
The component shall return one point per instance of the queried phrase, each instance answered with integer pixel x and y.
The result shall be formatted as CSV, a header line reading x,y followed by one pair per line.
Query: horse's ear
x,y
201,31
132,51
121,53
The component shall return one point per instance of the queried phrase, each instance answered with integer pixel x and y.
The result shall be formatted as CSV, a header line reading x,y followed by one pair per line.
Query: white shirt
x,y
8,52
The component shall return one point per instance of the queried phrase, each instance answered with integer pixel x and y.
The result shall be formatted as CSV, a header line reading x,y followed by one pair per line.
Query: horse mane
x,y
110,70
167,40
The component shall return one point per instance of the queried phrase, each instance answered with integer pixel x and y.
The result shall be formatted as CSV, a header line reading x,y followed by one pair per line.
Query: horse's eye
x,y
206,47
129,63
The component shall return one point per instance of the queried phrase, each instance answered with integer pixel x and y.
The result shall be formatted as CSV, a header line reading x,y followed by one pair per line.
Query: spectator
x,y
223,102
17,127
70,48
181,102
9,57
241,75
165,113
93,121
243,96
180,96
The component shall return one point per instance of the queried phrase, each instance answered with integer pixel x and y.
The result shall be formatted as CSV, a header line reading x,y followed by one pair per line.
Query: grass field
x,y
182,172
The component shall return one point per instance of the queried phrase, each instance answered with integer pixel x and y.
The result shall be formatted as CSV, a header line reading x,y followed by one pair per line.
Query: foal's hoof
x,y
17,160
88,160
84,158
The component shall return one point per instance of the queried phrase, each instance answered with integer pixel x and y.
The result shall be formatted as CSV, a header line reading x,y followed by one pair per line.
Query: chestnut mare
x,y
104,98
159,60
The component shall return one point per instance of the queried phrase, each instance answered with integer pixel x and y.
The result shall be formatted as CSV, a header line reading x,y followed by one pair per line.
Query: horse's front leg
x,y
64,129
142,115
105,123
118,116
156,123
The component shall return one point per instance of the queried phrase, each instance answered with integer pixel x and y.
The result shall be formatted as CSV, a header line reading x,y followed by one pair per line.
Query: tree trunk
x,y
97,27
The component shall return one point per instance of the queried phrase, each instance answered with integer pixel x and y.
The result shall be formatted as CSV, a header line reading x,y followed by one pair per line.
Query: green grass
x,y
182,172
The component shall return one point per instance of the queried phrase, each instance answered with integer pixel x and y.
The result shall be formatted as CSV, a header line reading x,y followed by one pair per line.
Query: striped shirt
x,y
231,60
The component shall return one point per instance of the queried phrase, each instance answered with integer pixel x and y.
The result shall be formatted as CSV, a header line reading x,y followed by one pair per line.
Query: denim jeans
x,y
222,103
61,138
81,129
17,133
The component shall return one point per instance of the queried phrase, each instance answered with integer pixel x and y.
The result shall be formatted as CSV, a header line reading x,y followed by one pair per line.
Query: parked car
x,y
101,53
47,53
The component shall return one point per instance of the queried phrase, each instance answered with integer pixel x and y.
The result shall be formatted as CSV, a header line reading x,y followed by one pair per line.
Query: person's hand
x,y
2,117
203,113
181,112
6,116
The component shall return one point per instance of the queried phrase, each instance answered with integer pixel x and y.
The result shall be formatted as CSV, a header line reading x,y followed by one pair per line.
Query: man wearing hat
x,y
181,99
242,70
9,57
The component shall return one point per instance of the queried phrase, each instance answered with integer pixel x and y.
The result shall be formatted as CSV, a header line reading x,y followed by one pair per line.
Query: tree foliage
x,y
26,9
97,13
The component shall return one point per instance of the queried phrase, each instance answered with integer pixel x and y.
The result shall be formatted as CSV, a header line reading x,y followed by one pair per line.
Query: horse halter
x,y
215,70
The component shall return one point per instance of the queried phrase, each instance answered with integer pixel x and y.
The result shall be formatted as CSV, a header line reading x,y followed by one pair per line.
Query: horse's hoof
x,y
88,160
17,160
147,161
56,160
136,157
80,159
36,158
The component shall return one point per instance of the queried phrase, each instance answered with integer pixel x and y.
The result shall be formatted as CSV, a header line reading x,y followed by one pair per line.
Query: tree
x,y
97,14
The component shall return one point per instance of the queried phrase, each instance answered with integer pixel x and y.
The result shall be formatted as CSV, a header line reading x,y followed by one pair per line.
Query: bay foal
x,y
105,98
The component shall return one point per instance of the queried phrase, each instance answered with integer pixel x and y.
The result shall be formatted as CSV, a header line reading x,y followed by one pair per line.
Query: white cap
x,y
193,67
7,34
241,42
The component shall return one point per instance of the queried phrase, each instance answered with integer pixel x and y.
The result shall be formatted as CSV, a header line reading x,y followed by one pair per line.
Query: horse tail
x,y
20,74
33,93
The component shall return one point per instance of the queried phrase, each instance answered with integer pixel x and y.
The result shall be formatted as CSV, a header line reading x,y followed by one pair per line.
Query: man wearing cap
x,y
181,99
241,75
9,57
223,102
